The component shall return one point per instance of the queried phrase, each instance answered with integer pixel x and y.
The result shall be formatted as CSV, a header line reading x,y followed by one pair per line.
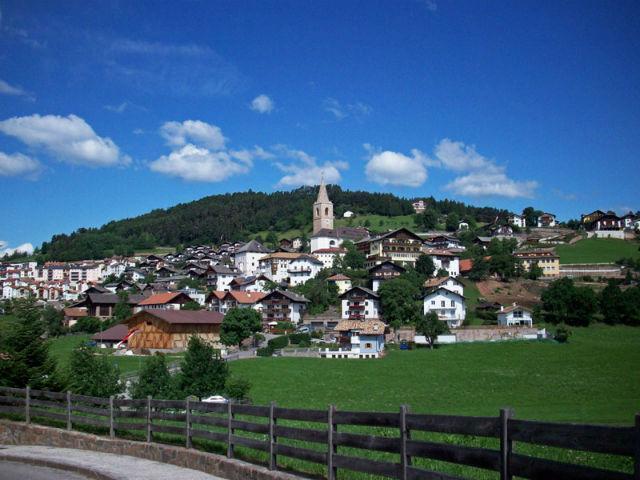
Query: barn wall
x,y
155,333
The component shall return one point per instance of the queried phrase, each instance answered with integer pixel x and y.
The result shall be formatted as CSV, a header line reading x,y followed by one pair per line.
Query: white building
x,y
303,268
219,277
348,214
518,220
328,256
445,260
448,305
359,303
247,257
515,315
450,283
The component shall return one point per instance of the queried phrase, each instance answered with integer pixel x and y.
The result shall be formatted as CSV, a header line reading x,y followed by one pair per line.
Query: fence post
x,y
68,410
505,444
27,405
273,461
149,419
636,460
112,430
405,434
188,423
332,428
229,431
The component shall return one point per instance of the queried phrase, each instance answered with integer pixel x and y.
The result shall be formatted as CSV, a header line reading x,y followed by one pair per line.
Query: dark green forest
x,y
232,217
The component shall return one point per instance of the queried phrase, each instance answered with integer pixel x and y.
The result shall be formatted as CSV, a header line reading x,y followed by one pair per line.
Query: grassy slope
x,y
597,250
471,294
591,379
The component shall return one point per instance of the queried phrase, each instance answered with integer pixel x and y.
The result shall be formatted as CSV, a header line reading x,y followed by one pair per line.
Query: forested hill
x,y
232,217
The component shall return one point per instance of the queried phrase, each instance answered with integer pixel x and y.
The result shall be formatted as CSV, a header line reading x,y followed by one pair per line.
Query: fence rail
x,y
261,429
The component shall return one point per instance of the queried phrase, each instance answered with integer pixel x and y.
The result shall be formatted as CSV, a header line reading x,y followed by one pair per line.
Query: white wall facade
x,y
449,306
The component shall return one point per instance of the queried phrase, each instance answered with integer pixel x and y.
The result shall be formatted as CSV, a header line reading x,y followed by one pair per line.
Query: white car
x,y
215,399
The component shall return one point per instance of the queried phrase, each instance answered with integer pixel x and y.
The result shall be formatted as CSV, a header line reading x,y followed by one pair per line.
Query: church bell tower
x,y
322,210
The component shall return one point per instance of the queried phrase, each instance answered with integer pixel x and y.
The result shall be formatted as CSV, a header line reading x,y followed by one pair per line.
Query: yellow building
x,y
547,260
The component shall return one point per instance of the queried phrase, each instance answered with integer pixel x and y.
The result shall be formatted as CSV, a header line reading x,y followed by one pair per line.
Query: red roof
x,y
161,298
115,333
338,277
330,250
466,265
246,297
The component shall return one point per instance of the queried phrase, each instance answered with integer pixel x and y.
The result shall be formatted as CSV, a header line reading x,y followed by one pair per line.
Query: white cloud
x,y
200,164
497,183
24,248
6,89
70,139
262,104
459,157
18,164
201,133
304,170
356,110
430,5
393,168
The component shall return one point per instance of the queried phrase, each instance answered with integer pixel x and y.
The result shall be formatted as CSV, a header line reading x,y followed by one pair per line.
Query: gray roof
x,y
366,290
113,298
223,269
294,297
253,246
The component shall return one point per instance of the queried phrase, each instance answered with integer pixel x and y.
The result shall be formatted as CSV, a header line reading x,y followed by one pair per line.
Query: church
x,y
325,236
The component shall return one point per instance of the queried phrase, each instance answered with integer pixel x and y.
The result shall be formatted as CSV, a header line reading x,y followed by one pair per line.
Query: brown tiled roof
x,y
75,312
219,294
160,298
338,277
434,282
183,316
367,327
466,264
115,333
248,298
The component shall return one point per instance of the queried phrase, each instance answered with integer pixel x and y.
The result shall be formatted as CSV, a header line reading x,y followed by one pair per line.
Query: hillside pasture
x,y
598,250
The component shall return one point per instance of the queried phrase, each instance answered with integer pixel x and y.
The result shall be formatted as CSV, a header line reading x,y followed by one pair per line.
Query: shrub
x,y
317,334
304,343
285,326
264,352
278,342
237,388
298,338
562,333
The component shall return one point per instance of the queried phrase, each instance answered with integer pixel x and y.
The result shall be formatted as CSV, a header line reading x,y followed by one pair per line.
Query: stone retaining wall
x,y
18,433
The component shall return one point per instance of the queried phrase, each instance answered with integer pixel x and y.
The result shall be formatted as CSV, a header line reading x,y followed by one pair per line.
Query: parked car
x,y
303,329
215,399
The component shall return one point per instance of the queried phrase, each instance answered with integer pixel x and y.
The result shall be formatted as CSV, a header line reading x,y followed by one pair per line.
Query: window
x,y
317,212
367,345
442,303
453,303
433,302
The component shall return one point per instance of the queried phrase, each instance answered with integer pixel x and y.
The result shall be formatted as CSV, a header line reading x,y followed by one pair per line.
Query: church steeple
x,y
322,210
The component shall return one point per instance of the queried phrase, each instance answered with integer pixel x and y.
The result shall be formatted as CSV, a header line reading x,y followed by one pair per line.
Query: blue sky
x,y
111,109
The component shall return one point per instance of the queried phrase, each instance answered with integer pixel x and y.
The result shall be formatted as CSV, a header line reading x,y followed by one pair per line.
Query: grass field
x,y
593,378
378,222
60,348
471,295
598,250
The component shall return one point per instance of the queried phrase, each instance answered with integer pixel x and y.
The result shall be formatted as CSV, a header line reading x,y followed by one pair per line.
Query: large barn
x,y
171,329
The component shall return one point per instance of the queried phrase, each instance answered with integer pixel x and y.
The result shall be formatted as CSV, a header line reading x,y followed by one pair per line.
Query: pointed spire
x,y
323,197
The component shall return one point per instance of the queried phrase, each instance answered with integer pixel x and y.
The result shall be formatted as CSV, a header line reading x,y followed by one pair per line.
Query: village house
x,y
450,283
303,268
449,305
401,246
342,282
247,256
446,260
382,272
358,339
519,221
219,277
102,305
360,303
172,329
515,315
253,283
419,206
72,315
442,242
547,220
547,260
283,306
164,301
328,256
236,299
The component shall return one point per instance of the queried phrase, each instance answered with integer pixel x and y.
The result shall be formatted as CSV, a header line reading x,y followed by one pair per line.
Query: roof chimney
x,y
502,308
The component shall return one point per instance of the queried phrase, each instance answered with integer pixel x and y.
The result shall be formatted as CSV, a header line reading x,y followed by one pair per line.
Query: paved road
x,y
22,471
118,467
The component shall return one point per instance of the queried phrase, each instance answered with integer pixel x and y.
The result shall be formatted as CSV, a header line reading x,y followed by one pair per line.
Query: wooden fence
x,y
329,444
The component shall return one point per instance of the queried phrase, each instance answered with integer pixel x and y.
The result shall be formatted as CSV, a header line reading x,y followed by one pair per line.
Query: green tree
x,y
353,259
155,380
612,304
427,219
239,324
430,326
53,319
237,388
92,374
26,359
272,239
320,293
399,302
531,216
452,222
562,302
425,265
203,372
122,310
479,269
503,265
191,305
442,273
535,271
